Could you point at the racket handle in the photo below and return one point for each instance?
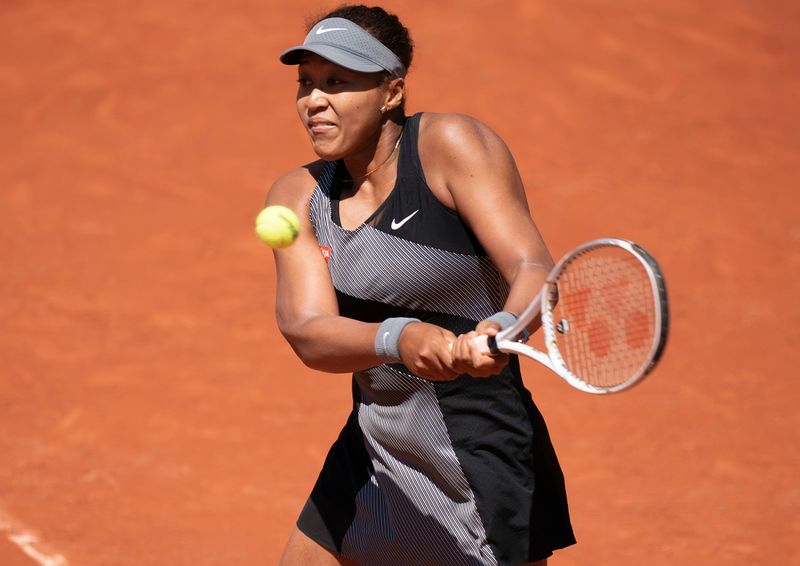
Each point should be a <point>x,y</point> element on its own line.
<point>487,345</point>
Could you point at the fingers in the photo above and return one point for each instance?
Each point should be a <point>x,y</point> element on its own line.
<point>426,350</point>
<point>437,354</point>
<point>470,359</point>
<point>435,360</point>
<point>488,327</point>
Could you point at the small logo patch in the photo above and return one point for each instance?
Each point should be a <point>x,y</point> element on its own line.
<point>326,252</point>
<point>397,225</point>
<point>322,29</point>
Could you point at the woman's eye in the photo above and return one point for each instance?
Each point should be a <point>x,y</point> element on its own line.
<point>331,82</point>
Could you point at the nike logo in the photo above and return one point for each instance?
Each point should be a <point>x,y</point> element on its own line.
<point>396,225</point>
<point>322,30</point>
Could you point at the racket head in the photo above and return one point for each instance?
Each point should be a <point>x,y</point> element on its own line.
<point>605,315</point>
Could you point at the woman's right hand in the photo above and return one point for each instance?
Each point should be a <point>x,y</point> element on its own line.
<point>425,349</point>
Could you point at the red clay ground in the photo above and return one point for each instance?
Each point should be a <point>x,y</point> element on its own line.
<point>151,414</point>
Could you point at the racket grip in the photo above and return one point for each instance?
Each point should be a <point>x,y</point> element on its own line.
<point>487,345</point>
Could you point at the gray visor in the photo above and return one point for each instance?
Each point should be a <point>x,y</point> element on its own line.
<point>344,43</point>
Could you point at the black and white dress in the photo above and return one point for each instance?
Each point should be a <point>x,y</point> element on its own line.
<point>428,473</point>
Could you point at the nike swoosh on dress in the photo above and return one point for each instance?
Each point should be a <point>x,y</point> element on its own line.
<point>396,225</point>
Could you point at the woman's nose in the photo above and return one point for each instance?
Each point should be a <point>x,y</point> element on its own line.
<point>317,99</point>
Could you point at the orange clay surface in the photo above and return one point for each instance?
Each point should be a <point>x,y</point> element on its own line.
<point>150,412</point>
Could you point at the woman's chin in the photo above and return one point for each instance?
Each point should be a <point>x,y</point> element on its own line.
<point>326,153</point>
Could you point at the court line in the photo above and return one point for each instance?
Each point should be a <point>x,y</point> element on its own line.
<point>29,543</point>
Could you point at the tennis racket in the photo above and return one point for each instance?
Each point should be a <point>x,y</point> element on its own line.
<point>604,317</point>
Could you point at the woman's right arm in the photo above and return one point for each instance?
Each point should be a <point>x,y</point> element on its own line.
<point>306,307</point>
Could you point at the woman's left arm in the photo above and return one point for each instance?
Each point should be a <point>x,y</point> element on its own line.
<point>470,169</point>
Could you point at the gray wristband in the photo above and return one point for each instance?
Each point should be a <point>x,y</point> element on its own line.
<point>387,337</point>
<point>503,318</point>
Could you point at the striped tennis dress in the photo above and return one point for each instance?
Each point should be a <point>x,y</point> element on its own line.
<point>428,473</point>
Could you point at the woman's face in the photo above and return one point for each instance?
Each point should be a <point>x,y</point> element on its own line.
<point>340,108</point>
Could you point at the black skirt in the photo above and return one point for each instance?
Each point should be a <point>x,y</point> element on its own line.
<point>440,473</point>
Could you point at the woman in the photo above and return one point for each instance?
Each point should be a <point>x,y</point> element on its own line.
<point>416,237</point>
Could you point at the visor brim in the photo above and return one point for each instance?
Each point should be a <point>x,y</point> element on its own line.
<point>346,59</point>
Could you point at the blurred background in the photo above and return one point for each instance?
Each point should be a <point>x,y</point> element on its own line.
<point>150,413</point>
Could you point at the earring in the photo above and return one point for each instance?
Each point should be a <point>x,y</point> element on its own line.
<point>383,109</point>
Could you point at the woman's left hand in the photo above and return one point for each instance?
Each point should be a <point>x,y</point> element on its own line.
<point>467,358</point>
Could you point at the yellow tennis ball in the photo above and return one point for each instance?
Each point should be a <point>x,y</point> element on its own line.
<point>277,226</point>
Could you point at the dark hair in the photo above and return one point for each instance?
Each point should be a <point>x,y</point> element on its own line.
<point>380,24</point>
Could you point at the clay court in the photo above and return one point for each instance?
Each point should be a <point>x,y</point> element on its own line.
<point>150,412</point>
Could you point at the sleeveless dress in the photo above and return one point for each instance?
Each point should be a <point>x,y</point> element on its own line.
<point>428,473</point>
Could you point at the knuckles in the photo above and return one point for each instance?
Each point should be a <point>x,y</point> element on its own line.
<point>437,355</point>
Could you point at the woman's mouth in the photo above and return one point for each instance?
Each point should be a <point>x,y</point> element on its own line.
<point>319,126</point>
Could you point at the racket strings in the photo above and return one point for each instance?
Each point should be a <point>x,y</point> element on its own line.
<point>604,313</point>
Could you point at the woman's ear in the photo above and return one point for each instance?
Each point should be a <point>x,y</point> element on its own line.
<point>395,93</point>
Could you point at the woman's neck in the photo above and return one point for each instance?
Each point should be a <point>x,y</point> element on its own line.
<point>379,156</point>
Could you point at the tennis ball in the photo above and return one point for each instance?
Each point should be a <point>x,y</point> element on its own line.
<point>277,226</point>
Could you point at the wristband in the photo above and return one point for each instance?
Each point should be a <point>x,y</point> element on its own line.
<point>506,319</point>
<point>388,336</point>
<point>503,318</point>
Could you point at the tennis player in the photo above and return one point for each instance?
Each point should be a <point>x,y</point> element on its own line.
<point>416,236</point>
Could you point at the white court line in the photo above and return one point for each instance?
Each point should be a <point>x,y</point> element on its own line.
<point>29,543</point>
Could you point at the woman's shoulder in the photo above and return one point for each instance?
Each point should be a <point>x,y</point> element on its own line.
<point>446,139</point>
<point>295,186</point>
<point>453,127</point>
<point>455,134</point>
